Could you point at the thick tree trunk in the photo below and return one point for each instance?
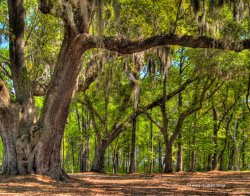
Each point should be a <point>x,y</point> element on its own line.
<point>36,149</point>
<point>10,158</point>
<point>98,165</point>
<point>18,147</point>
<point>23,154</point>
<point>168,160</point>
<point>56,109</point>
<point>17,119</point>
<point>132,167</point>
<point>84,158</point>
<point>47,158</point>
<point>32,146</point>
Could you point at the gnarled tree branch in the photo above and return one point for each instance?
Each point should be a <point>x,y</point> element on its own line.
<point>126,46</point>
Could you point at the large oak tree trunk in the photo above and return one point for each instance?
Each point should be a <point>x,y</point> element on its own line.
<point>35,148</point>
<point>17,118</point>
<point>31,145</point>
<point>56,109</point>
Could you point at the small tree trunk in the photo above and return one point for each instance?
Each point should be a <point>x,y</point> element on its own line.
<point>209,162</point>
<point>215,140</point>
<point>215,155</point>
<point>132,166</point>
<point>204,162</point>
<point>179,154</point>
<point>160,167</point>
<point>151,165</point>
<point>225,143</point>
<point>193,161</point>
<point>243,161</point>
<point>84,158</point>
<point>73,157</point>
<point>221,160</point>
<point>189,155</point>
<point>115,162</point>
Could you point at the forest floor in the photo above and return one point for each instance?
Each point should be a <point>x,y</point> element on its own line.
<point>208,183</point>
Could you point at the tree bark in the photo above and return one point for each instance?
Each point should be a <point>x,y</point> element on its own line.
<point>179,154</point>
<point>30,145</point>
<point>37,150</point>
<point>168,160</point>
<point>160,167</point>
<point>215,141</point>
<point>17,118</point>
<point>151,164</point>
<point>98,165</point>
<point>56,107</point>
<point>225,142</point>
<point>209,159</point>
<point>231,158</point>
<point>193,154</point>
<point>192,169</point>
<point>132,167</point>
<point>84,157</point>
<point>73,157</point>
<point>115,162</point>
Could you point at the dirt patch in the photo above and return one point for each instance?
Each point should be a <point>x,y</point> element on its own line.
<point>209,183</point>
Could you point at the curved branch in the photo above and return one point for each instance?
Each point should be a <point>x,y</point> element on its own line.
<point>126,46</point>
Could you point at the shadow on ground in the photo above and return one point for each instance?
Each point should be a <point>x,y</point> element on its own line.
<point>209,183</point>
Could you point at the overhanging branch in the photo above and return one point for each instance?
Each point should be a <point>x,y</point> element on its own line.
<point>126,46</point>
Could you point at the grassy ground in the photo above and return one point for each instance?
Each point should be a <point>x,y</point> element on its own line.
<point>209,183</point>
